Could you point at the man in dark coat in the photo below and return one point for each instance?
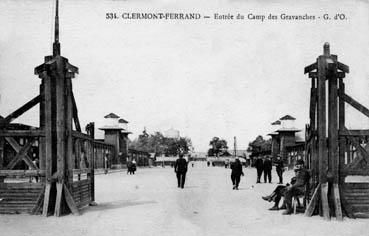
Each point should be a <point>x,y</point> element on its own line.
<point>180,168</point>
<point>236,173</point>
<point>259,168</point>
<point>299,187</point>
<point>267,166</point>
<point>279,166</point>
<point>277,194</point>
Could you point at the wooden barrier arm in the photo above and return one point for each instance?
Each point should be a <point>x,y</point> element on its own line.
<point>22,110</point>
<point>355,104</point>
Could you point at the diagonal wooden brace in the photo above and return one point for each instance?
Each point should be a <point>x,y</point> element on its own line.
<point>21,153</point>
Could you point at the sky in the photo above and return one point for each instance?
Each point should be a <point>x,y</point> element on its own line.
<point>204,78</point>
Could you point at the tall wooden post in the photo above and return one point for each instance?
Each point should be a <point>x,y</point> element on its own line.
<point>1,156</point>
<point>342,141</point>
<point>321,128</point>
<point>56,120</point>
<point>41,143</point>
<point>312,114</point>
<point>333,134</point>
<point>69,128</point>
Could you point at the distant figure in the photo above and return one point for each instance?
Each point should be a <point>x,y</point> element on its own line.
<point>180,168</point>
<point>259,168</point>
<point>133,167</point>
<point>267,166</point>
<point>236,173</point>
<point>129,167</point>
<point>208,163</point>
<point>279,166</point>
<point>192,164</point>
<point>106,161</point>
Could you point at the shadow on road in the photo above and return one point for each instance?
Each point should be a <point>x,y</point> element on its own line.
<point>103,206</point>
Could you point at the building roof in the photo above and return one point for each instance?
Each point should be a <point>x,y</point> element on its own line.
<point>273,133</point>
<point>126,132</point>
<point>288,130</point>
<point>115,127</point>
<point>122,121</point>
<point>287,117</point>
<point>111,115</point>
<point>277,122</point>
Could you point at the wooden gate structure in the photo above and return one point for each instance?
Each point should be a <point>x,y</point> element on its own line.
<point>333,159</point>
<point>66,156</point>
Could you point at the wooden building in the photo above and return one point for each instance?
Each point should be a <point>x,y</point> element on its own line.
<point>116,134</point>
<point>285,141</point>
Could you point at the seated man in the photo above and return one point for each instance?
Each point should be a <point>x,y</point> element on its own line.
<point>298,188</point>
<point>277,194</point>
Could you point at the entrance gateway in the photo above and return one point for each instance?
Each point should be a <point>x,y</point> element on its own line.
<point>66,155</point>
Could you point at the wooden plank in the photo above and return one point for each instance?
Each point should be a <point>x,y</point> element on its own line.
<point>337,202</point>
<point>48,127</point>
<point>39,202</point>
<point>75,114</point>
<point>21,185</point>
<point>21,133</point>
<point>311,67</point>
<point>58,201</point>
<point>333,154</point>
<point>345,205</point>
<point>343,67</point>
<point>324,199</point>
<point>70,202</point>
<point>41,140</point>
<point>80,135</point>
<point>352,186</point>
<point>60,122</point>
<point>21,153</point>
<point>68,125</point>
<point>355,104</point>
<point>2,142</point>
<point>71,68</point>
<point>353,132</point>
<point>313,202</point>
<point>341,75</point>
<point>92,175</point>
<point>45,209</point>
<point>321,124</point>
<point>313,75</point>
<point>22,109</point>
<point>22,173</point>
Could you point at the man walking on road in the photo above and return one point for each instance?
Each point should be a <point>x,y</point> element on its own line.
<point>236,173</point>
<point>180,168</point>
<point>267,169</point>
<point>259,168</point>
<point>279,168</point>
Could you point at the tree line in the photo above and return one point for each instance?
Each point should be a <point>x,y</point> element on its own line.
<point>160,145</point>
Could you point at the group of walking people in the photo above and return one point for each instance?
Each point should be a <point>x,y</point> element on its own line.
<point>265,165</point>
